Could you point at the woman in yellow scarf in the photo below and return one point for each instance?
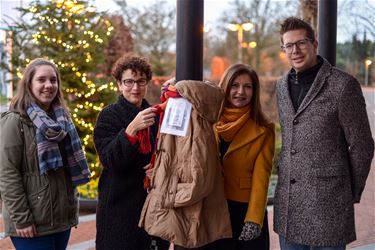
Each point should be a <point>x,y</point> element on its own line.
<point>246,144</point>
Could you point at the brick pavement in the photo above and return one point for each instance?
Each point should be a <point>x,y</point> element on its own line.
<point>82,237</point>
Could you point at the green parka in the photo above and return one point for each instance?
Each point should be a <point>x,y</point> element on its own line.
<point>49,201</point>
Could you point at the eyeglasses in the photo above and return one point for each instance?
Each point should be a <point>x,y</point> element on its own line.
<point>130,82</point>
<point>301,44</point>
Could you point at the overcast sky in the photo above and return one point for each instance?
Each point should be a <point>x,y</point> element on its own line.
<point>212,11</point>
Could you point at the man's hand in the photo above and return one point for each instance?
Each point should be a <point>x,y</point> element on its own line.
<point>27,232</point>
<point>250,231</point>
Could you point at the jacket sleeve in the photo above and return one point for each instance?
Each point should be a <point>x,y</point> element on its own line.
<point>113,147</point>
<point>260,179</point>
<point>11,184</point>
<point>355,124</point>
<point>203,172</point>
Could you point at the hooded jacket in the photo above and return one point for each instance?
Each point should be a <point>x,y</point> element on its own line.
<point>186,204</point>
<point>48,201</point>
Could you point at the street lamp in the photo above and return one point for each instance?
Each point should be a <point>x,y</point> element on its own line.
<point>367,64</point>
<point>240,28</point>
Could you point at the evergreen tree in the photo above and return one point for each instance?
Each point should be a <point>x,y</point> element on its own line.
<point>73,35</point>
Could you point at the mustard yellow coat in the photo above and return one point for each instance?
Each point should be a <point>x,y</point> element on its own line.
<point>247,166</point>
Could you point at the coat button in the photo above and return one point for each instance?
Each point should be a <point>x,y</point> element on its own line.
<point>295,121</point>
<point>170,191</point>
<point>293,151</point>
<point>293,181</point>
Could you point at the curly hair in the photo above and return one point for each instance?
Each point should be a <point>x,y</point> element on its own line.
<point>135,63</point>
<point>295,23</point>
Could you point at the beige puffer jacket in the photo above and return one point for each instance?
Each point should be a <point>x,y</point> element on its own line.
<point>186,205</point>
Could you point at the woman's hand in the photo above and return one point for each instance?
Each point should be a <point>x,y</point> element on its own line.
<point>250,231</point>
<point>149,171</point>
<point>144,119</point>
<point>27,232</point>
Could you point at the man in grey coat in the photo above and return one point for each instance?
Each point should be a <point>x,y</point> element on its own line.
<point>327,147</point>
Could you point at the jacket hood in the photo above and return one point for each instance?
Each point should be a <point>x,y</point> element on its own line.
<point>205,97</point>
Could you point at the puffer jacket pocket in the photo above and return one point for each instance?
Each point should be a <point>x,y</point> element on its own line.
<point>171,192</point>
<point>40,206</point>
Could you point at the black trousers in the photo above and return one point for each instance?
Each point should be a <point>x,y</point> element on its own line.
<point>159,244</point>
<point>237,211</point>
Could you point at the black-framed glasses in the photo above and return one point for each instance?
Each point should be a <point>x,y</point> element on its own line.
<point>301,44</point>
<point>130,82</point>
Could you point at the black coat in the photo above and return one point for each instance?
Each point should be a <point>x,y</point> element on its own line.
<point>121,193</point>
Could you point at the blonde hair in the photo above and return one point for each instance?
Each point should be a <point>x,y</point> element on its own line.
<point>24,97</point>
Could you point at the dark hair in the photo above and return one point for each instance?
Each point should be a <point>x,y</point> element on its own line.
<point>24,97</point>
<point>134,63</point>
<point>295,23</point>
<point>225,83</point>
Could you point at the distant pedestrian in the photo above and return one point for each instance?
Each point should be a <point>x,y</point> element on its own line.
<point>327,147</point>
<point>42,162</point>
<point>246,144</point>
<point>124,137</point>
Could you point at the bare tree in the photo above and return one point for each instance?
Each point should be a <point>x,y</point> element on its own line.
<point>265,15</point>
<point>357,17</point>
<point>153,32</point>
<point>308,10</point>
<point>120,43</point>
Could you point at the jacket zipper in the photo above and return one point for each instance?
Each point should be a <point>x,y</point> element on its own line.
<point>50,202</point>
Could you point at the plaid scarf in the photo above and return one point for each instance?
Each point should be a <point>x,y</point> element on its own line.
<point>48,135</point>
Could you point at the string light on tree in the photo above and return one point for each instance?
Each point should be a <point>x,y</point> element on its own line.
<point>73,35</point>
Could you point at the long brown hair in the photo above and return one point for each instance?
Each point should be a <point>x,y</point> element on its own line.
<point>24,97</point>
<point>225,84</point>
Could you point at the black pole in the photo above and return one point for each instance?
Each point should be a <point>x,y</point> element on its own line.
<point>189,48</point>
<point>327,29</point>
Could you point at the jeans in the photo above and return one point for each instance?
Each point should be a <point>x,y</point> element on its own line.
<point>292,246</point>
<point>56,241</point>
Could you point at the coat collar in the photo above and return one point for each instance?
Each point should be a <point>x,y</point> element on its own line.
<point>285,101</point>
<point>248,133</point>
<point>316,86</point>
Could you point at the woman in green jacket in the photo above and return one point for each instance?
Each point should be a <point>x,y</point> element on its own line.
<point>42,162</point>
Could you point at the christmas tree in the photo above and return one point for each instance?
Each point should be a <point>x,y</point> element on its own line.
<point>74,35</point>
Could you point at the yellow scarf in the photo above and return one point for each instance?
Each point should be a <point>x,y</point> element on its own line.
<point>231,121</point>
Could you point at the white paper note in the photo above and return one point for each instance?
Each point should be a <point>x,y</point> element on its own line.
<point>176,117</point>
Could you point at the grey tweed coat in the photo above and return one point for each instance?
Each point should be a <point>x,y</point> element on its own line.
<point>324,162</point>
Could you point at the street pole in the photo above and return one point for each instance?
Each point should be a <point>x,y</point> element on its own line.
<point>10,95</point>
<point>189,47</point>
<point>240,40</point>
<point>240,27</point>
<point>327,29</point>
<point>367,64</point>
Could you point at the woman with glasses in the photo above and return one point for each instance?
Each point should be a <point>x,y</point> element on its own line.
<point>124,136</point>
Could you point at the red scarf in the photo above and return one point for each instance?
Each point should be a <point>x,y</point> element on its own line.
<point>144,135</point>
